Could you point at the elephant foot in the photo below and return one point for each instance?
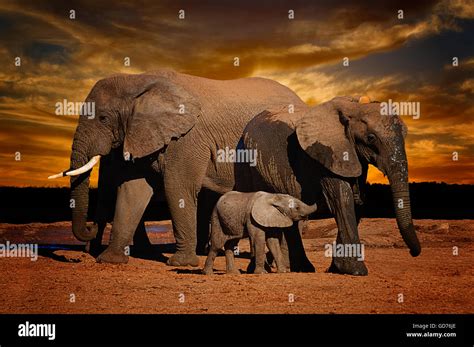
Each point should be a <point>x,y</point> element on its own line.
<point>283,270</point>
<point>251,266</point>
<point>183,259</point>
<point>260,270</point>
<point>93,247</point>
<point>113,257</point>
<point>208,271</point>
<point>233,272</point>
<point>302,265</point>
<point>348,266</point>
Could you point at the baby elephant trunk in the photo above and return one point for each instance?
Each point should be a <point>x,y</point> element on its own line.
<point>306,210</point>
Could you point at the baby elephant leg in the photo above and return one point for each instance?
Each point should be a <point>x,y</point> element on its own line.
<point>218,240</point>
<point>273,243</point>
<point>258,239</point>
<point>229,256</point>
<point>210,260</point>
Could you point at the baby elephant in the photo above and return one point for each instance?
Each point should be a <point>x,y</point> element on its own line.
<point>256,214</point>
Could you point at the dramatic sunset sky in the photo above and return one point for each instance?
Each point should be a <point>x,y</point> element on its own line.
<point>403,60</point>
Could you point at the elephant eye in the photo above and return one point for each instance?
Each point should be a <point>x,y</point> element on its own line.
<point>103,119</point>
<point>371,138</point>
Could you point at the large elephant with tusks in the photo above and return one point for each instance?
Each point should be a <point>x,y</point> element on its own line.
<point>171,125</point>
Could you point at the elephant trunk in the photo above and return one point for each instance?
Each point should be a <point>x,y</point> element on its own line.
<point>308,209</point>
<point>80,196</point>
<point>398,178</point>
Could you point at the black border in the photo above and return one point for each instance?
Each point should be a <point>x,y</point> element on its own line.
<point>234,329</point>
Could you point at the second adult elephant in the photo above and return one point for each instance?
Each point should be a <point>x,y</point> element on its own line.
<point>320,155</point>
<point>173,124</point>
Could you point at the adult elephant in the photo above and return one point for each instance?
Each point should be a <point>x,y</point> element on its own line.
<point>169,124</point>
<point>321,154</point>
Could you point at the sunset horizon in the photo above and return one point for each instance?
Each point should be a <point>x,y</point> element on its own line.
<point>351,50</point>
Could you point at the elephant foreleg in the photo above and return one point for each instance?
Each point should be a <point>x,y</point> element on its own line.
<point>132,199</point>
<point>340,199</point>
<point>273,244</point>
<point>284,261</point>
<point>106,199</point>
<point>359,188</point>
<point>94,246</point>
<point>259,242</point>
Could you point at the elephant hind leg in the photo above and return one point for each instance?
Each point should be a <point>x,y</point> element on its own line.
<point>217,241</point>
<point>208,266</point>
<point>182,182</point>
<point>183,208</point>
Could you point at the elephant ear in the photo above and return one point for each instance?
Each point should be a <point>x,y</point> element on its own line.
<point>162,112</point>
<point>266,213</point>
<point>323,136</point>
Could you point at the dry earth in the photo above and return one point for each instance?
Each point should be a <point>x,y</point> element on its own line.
<point>435,282</point>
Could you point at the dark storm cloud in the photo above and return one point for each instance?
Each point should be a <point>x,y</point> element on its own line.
<point>39,51</point>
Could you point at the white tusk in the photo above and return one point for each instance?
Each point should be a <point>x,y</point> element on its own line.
<point>59,175</point>
<point>76,172</point>
<point>84,168</point>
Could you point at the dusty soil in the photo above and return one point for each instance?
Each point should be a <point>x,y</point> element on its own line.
<point>435,282</point>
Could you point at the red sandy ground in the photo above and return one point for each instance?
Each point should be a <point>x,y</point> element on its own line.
<point>435,282</point>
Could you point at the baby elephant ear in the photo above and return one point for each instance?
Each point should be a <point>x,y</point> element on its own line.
<point>162,112</point>
<point>265,212</point>
<point>322,135</point>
